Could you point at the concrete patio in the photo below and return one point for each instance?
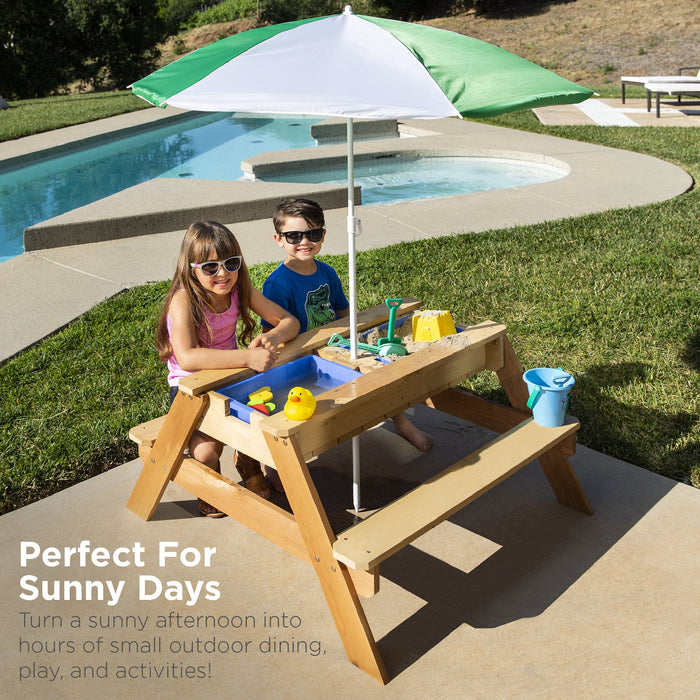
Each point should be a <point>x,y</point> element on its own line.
<point>513,597</point>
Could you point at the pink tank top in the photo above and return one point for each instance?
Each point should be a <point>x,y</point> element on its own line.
<point>223,335</point>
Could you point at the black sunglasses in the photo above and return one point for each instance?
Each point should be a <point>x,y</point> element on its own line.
<point>313,235</point>
<point>210,268</point>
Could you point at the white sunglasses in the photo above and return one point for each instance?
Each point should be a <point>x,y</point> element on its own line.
<point>211,268</point>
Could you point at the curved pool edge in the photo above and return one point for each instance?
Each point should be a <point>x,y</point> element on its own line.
<point>47,144</point>
<point>599,178</point>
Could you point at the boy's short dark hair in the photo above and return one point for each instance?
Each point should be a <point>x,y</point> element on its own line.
<point>306,209</point>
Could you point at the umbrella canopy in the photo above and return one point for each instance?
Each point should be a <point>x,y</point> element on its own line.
<point>356,66</point>
<point>351,66</point>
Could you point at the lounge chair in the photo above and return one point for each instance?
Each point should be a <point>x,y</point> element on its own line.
<point>644,79</point>
<point>669,88</point>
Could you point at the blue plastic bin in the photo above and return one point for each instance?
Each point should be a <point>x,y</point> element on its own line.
<point>311,372</point>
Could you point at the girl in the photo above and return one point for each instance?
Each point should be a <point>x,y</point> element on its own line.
<point>210,294</point>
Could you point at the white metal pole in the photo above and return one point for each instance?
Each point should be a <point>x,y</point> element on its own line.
<point>351,226</point>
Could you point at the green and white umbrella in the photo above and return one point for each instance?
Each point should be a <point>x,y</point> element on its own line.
<point>351,65</point>
<point>355,66</point>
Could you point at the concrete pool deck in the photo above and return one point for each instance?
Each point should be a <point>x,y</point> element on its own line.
<point>132,237</point>
<point>513,597</point>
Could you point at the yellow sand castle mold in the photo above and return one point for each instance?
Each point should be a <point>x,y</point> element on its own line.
<point>432,325</point>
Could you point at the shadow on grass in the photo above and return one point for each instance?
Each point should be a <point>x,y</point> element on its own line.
<point>618,428</point>
<point>691,352</point>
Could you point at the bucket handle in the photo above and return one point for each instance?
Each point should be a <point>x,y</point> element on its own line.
<point>532,400</point>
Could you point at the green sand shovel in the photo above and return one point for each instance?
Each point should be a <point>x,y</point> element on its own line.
<point>337,341</point>
<point>391,345</point>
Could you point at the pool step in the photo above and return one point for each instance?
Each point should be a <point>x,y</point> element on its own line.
<point>169,204</point>
<point>335,130</point>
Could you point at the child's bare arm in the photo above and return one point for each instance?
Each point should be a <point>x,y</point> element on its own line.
<point>284,325</point>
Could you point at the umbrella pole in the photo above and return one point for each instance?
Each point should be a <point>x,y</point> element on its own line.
<point>351,228</point>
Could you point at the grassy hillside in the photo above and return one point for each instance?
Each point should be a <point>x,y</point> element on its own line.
<point>587,41</point>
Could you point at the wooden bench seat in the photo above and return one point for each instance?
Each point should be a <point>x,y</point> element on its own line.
<point>365,545</point>
<point>145,435</point>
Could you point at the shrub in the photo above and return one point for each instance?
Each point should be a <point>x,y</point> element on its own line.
<point>227,11</point>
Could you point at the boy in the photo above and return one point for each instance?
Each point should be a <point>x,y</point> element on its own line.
<point>310,289</point>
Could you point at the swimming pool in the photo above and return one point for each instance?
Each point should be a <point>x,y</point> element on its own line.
<point>207,146</point>
<point>211,147</point>
<point>399,178</point>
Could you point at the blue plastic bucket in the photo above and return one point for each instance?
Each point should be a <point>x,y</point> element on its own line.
<point>549,395</point>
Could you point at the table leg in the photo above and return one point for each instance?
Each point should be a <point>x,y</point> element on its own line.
<point>511,377</point>
<point>555,465</point>
<point>165,458</point>
<point>564,482</point>
<point>338,588</point>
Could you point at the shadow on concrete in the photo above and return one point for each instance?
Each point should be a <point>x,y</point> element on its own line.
<point>505,557</point>
<point>541,547</point>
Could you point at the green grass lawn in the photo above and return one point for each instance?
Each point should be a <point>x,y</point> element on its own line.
<point>613,298</point>
<point>27,117</point>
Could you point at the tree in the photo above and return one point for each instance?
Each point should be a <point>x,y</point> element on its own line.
<point>118,38</point>
<point>176,12</point>
<point>38,48</point>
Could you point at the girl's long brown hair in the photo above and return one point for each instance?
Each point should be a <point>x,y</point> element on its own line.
<point>205,240</point>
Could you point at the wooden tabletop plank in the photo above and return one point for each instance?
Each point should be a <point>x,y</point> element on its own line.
<point>354,406</point>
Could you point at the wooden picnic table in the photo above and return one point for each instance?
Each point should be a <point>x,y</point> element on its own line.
<point>347,563</point>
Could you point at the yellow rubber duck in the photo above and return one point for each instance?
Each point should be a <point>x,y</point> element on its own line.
<point>300,404</point>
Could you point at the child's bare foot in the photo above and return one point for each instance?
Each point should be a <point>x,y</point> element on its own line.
<point>274,478</point>
<point>408,431</point>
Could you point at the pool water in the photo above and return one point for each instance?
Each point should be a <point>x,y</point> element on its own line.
<point>208,146</point>
<point>398,179</point>
<point>211,147</point>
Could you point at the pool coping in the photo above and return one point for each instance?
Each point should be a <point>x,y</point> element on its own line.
<point>599,178</point>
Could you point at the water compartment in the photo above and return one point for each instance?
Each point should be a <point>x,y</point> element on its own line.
<point>311,372</point>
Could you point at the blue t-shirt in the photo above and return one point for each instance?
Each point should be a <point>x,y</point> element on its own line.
<point>313,299</point>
